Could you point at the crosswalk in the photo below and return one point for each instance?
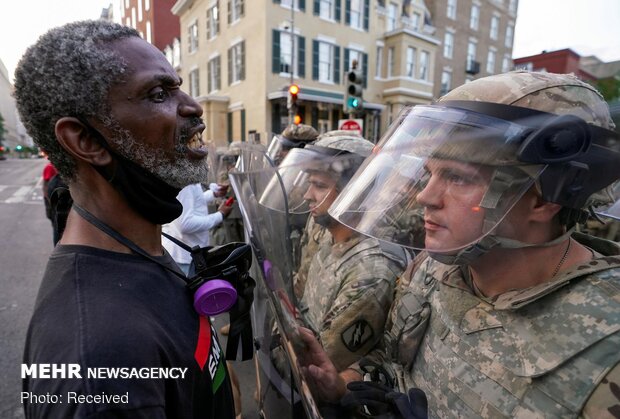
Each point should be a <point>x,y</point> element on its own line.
<point>21,194</point>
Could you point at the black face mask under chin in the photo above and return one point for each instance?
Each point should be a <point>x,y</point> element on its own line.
<point>325,220</point>
<point>147,194</point>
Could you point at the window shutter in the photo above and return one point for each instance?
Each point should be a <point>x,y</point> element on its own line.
<point>210,71</point>
<point>242,124</point>
<point>208,23</point>
<point>316,9</point>
<point>229,127</point>
<point>315,59</point>
<point>301,50</point>
<point>366,13</point>
<point>242,73</point>
<point>218,77</point>
<point>217,20</point>
<point>365,69</point>
<point>302,5</point>
<point>230,66</point>
<point>242,8</point>
<point>346,65</point>
<point>314,117</point>
<point>336,64</point>
<point>338,4</point>
<point>276,1</point>
<point>275,117</point>
<point>347,12</point>
<point>229,11</point>
<point>275,51</point>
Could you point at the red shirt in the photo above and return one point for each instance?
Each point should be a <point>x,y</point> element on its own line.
<point>49,171</point>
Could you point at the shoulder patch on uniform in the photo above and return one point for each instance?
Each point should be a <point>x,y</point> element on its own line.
<point>356,335</point>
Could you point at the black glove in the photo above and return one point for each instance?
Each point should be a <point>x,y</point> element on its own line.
<point>383,402</point>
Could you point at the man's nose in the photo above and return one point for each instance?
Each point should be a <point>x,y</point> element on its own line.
<point>431,194</point>
<point>189,107</point>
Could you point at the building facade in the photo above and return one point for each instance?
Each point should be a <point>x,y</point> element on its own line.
<point>153,19</point>
<point>477,38</point>
<point>561,61</point>
<point>239,57</point>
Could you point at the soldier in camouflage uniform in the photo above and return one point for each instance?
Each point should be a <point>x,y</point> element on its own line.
<point>509,313</point>
<point>350,279</point>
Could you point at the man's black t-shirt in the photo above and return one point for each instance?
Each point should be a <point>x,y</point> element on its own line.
<point>115,313</point>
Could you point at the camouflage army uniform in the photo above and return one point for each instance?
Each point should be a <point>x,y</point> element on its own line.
<point>552,350</point>
<point>314,237</point>
<point>347,297</point>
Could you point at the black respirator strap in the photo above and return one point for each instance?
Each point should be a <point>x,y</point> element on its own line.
<point>122,239</point>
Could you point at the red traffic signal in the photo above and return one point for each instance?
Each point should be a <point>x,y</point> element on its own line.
<point>297,119</point>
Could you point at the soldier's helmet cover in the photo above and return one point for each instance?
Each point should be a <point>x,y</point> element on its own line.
<point>293,136</point>
<point>474,153</point>
<point>339,153</point>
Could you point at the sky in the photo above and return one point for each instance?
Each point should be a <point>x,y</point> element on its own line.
<point>589,27</point>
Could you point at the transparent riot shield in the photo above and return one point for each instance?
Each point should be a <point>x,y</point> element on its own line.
<point>282,390</point>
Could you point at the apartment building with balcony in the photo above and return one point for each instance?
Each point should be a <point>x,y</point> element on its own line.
<point>238,58</point>
<point>477,38</point>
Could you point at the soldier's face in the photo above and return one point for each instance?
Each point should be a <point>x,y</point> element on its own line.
<point>321,192</point>
<point>451,197</point>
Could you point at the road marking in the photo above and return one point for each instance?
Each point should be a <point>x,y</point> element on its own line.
<point>19,195</point>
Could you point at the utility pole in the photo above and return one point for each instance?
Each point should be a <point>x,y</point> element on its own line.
<point>292,108</point>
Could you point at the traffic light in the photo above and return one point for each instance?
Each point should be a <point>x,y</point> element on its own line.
<point>297,119</point>
<point>18,148</point>
<point>293,93</point>
<point>353,95</point>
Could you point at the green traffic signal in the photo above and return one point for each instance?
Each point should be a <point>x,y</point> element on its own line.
<point>18,148</point>
<point>354,102</point>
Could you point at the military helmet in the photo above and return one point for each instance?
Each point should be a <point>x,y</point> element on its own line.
<point>293,136</point>
<point>519,129</point>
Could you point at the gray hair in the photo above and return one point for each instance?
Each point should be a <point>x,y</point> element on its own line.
<point>68,72</point>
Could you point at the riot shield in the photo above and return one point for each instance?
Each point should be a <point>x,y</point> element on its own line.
<point>281,386</point>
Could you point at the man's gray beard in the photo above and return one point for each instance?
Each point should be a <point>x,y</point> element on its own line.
<point>173,168</point>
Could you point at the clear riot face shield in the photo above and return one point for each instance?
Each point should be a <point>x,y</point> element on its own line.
<point>275,312</point>
<point>440,180</point>
<point>446,176</point>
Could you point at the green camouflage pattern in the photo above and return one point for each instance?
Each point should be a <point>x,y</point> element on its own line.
<point>314,237</point>
<point>560,94</point>
<point>538,352</point>
<point>347,297</point>
<point>300,132</point>
<point>345,141</point>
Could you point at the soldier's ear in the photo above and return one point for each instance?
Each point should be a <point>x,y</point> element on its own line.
<point>543,211</point>
<point>75,137</point>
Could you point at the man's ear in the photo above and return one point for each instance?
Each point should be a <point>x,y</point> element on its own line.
<point>75,137</point>
<point>543,211</point>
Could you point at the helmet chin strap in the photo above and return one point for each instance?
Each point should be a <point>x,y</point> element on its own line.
<point>472,252</point>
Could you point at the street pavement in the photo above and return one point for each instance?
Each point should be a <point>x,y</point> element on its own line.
<point>25,245</point>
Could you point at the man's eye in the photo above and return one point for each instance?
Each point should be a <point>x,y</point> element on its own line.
<point>158,95</point>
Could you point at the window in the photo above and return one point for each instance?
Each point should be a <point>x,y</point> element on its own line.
<point>509,34</point>
<point>392,16</point>
<point>289,3</point>
<point>474,18</point>
<point>147,5</point>
<point>235,10</point>
<point>193,37</point>
<point>451,9</point>
<point>506,63</point>
<point>213,21</point>
<point>357,14</point>
<point>491,62</point>
<point>410,70</point>
<point>326,62</point>
<point>424,62</point>
<point>446,82</point>
<point>176,53</point>
<point>494,27</point>
<point>448,45</point>
<point>512,6</point>
<point>416,18</point>
<point>471,52</point>
<point>390,62</point>
<point>355,56</point>
<point>214,74</point>
<point>326,9</point>
<point>140,16</point>
<point>149,32</point>
<point>168,54</point>
<point>194,85</point>
<point>236,63</point>
<point>285,53</point>
<point>378,69</point>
